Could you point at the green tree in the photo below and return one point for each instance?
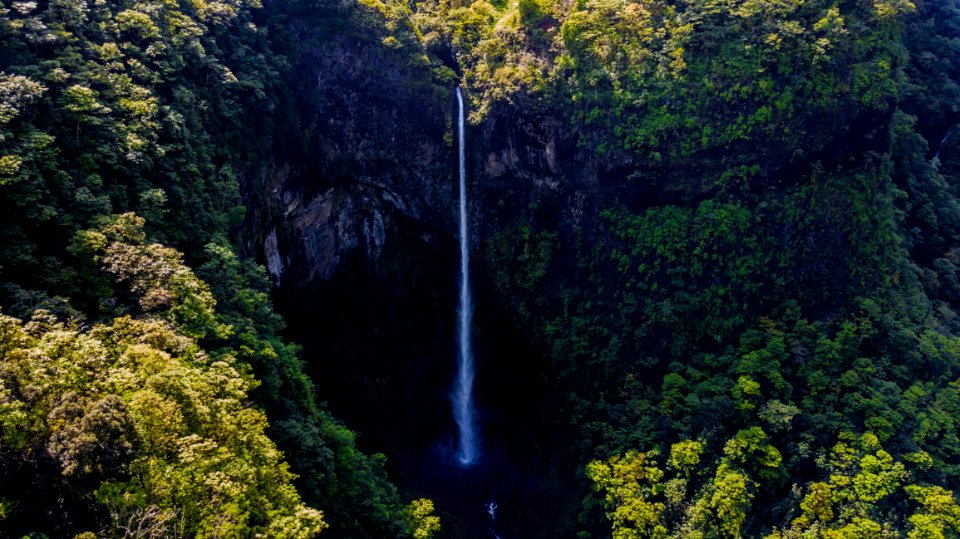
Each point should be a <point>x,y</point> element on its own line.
<point>630,485</point>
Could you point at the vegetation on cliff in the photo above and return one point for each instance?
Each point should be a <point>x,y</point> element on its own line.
<point>782,301</point>
<point>136,392</point>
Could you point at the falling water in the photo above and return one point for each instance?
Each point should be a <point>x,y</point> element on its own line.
<point>463,411</point>
<point>946,137</point>
<point>492,511</point>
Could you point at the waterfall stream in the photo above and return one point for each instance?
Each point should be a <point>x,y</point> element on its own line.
<point>463,410</point>
<point>943,141</point>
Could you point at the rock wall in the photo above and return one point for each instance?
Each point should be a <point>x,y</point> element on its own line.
<point>370,139</point>
<point>367,144</point>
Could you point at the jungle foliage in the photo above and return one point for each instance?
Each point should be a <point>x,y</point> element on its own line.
<point>137,391</point>
<point>771,350</point>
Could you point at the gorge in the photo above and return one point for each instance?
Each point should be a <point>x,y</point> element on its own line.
<point>374,268</point>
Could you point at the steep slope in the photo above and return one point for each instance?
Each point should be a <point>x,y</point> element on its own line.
<point>164,109</point>
<point>721,221</point>
<point>718,254</point>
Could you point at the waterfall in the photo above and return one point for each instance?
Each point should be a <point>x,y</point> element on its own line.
<point>946,137</point>
<point>463,410</point>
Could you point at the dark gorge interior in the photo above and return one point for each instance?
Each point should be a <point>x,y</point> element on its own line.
<point>394,389</point>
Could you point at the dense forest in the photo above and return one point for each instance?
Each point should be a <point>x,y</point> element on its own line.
<point>715,243</point>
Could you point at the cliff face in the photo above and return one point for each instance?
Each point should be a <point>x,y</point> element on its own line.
<point>372,145</point>
<point>526,162</point>
<point>368,146</point>
<point>373,141</point>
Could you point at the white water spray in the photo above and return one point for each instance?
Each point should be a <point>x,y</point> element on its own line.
<point>943,141</point>
<point>492,511</point>
<point>463,410</point>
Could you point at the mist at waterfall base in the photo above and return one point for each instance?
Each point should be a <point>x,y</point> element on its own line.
<point>380,342</point>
